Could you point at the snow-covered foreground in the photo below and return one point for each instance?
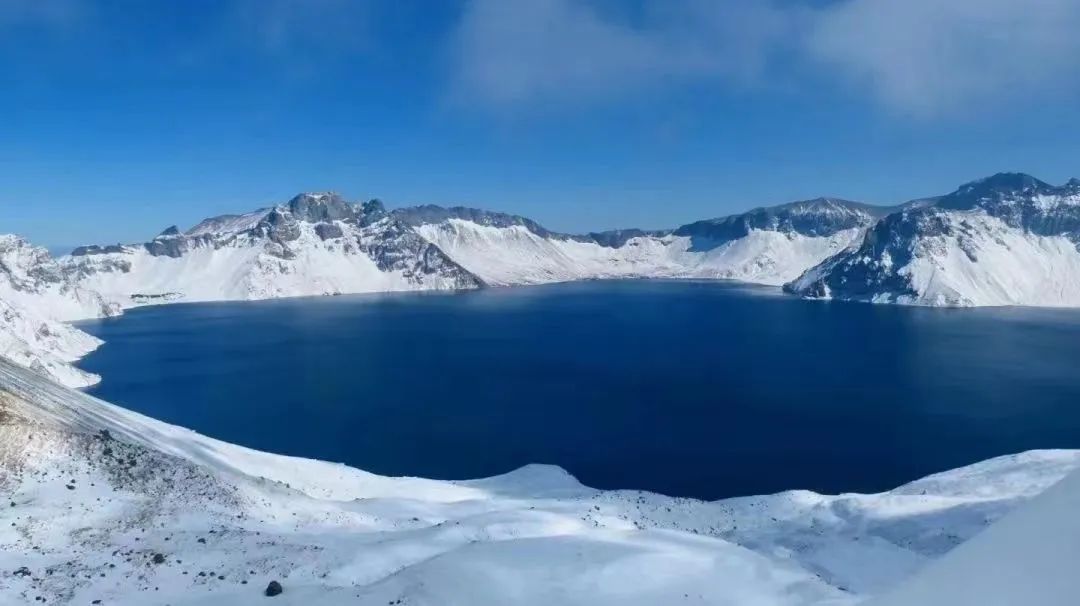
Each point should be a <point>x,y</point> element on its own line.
<point>105,504</point>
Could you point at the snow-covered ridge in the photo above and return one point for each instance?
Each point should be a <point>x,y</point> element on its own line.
<point>1005,240</point>
<point>765,246</point>
<point>1009,239</point>
<point>106,504</point>
<point>320,244</point>
<point>36,301</point>
<point>316,244</point>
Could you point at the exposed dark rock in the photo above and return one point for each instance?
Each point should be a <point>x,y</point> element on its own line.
<point>816,218</point>
<point>874,268</point>
<point>167,246</point>
<point>372,211</point>
<point>317,208</point>
<point>279,227</point>
<point>94,249</point>
<point>273,589</point>
<point>618,238</point>
<point>328,231</point>
<point>395,246</point>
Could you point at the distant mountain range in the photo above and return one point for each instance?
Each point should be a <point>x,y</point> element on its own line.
<point>1009,239</point>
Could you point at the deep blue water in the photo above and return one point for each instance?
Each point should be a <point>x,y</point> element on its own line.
<point>691,389</point>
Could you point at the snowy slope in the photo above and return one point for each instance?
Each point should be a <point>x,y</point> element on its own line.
<point>243,269</point>
<point>316,244</point>
<point>515,255</point>
<point>765,246</point>
<point>30,277</point>
<point>1029,557</point>
<point>36,298</point>
<point>1006,240</point>
<point>97,493</point>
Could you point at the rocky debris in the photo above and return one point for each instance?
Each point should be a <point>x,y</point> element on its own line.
<point>273,589</point>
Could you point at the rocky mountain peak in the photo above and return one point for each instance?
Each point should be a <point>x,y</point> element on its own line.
<point>320,207</point>
<point>1003,183</point>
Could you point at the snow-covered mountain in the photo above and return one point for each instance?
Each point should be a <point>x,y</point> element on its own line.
<point>766,245</point>
<point>36,301</point>
<point>319,244</point>
<point>1009,239</point>
<point>1005,240</point>
<point>316,244</point>
<point>101,503</point>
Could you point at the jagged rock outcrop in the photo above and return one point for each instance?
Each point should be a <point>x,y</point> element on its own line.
<point>1009,239</point>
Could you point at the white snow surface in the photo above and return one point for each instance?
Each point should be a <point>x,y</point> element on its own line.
<point>228,224</point>
<point>985,262</point>
<point>36,300</point>
<point>516,255</point>
<point>1029,557</point>
<point>244,267</point>
<point>93,492</point>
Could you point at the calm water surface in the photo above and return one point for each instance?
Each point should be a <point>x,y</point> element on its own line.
<point>692,389</point>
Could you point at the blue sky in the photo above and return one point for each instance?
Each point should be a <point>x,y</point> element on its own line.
<point>123,117</point>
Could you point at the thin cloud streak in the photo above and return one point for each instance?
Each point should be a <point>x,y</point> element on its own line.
<point>923,58</point>
<point>542,51</point>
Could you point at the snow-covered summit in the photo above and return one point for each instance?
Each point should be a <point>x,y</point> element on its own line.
<point>1009,239</point>
<point>105,504</point>
<point>315,244</point>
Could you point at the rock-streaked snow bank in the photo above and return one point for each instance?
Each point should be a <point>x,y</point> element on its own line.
<point>36,299</point>
<point>109,505</point>
<point>316,244</point>
<point>515,255</point>
<point>1009,239</point>
<point>763,246</point>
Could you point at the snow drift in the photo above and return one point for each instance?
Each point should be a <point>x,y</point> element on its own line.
<point>109,505</point>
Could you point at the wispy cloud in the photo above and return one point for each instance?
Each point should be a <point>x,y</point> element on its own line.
<point>928,57</point>
<point>920,57</point>
<point>539,51</point>
<point>301,26</point>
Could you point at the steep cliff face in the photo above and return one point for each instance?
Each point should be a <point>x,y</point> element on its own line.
<point>766,246</point>
<point>37,298</point>
<point>316,244</point>
<point>1009,239</point>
